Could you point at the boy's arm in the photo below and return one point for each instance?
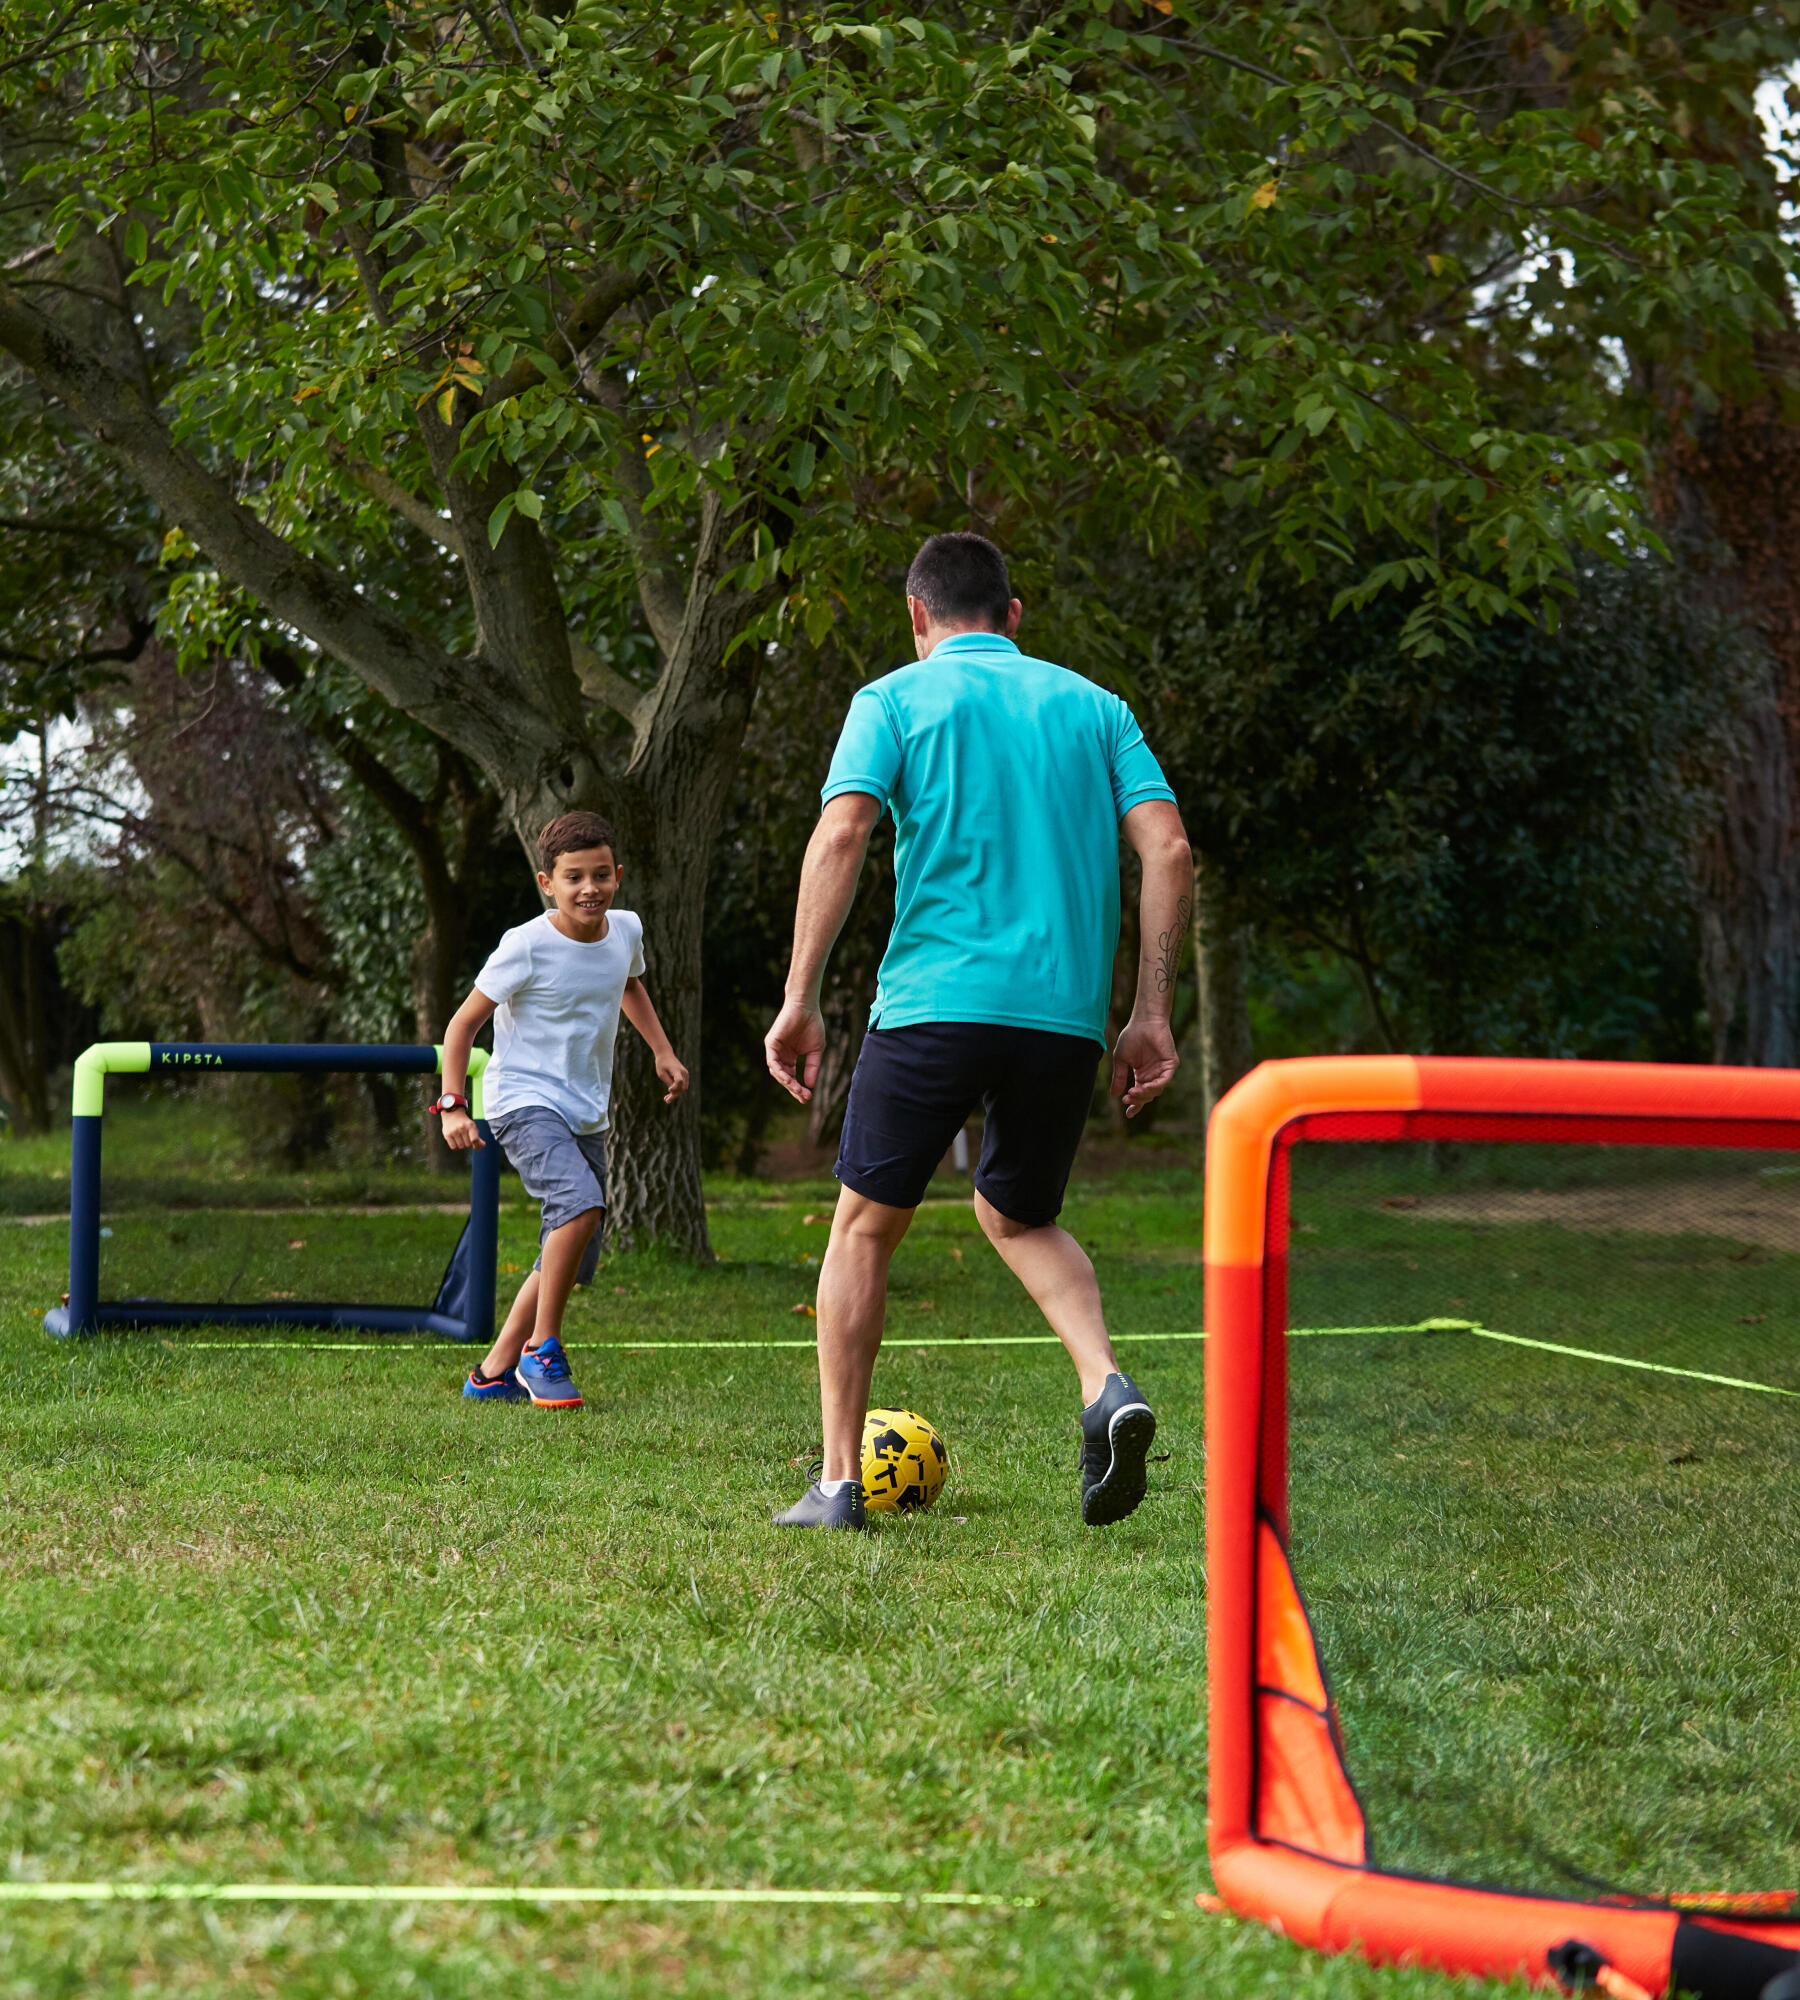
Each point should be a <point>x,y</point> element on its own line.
<point>460,1133</point>
<point>1144,1058</point>
<point>671,1071</point>
<point>828,875</point>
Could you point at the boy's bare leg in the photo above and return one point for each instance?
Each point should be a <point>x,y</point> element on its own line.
<point>561,1259</point>
<point>1056,1271</point>
<point>510,1342</point>
<point>852,1305</point>
<point>537,1311</point>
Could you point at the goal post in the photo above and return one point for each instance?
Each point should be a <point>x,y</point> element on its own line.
<point>464,1306</point>
<point>1289,1840</point>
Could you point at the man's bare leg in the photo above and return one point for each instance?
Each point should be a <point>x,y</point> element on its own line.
<point>1056,1271</point>
<point>852,1305</point>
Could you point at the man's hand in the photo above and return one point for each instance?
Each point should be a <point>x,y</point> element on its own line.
<point>1144,1062</point>
<point>672,1074</point>
<point>461,1134</point>
<point>793,1047</point>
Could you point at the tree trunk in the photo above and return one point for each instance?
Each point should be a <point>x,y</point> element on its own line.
<point>1749,883</point>
<point>654,1192</point>
<point>1732,475</point>
<point>1221,947</point>
<point>27,980</point>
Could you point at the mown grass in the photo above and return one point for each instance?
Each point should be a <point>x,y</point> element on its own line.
<point>285,1614</point>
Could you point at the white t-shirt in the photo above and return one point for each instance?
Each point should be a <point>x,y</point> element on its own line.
<point>556,1017</point>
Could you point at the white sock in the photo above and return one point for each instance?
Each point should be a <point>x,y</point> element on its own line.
<point>831,1488</point>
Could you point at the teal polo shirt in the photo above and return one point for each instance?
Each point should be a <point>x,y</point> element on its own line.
<point>1007,778</point>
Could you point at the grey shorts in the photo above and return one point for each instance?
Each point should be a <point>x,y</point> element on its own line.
<point>564,1170</point>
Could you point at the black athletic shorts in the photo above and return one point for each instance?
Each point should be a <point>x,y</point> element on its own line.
<point>914,1089</point>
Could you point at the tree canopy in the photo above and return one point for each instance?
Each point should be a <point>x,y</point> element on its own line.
<point>546,366</point>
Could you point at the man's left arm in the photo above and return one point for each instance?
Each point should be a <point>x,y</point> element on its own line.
<point>1144,1058</point>
<point>828,878</point>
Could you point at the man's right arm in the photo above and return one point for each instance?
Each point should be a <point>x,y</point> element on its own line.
<point>828,878</point>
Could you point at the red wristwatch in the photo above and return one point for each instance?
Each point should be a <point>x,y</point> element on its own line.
<point>448,1102</point>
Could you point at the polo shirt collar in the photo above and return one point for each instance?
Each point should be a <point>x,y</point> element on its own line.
<point>970,642</point>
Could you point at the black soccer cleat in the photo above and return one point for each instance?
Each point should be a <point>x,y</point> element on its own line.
<point>1116,1430</point>
<point>816,1509</point>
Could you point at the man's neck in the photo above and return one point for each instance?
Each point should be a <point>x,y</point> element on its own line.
<point>930,641</point>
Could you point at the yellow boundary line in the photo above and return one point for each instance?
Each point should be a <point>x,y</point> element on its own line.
<point>993,1340</point>
<point>435,1892</point>
<point>1625,1361</point>
<point>659,1346</point>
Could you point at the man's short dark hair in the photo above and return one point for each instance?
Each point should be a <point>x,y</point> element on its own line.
<point>573,833</point>
<point>961,579</point>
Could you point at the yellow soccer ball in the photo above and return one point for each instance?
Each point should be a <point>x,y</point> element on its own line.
<point>903,1462</point>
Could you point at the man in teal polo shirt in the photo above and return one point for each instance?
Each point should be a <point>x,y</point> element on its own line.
<point>1009,780</point>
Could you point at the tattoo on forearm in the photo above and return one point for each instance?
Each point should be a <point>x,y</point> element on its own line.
<point>1168,945</point>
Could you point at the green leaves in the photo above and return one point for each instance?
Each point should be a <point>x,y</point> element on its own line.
<point>1151,270</point>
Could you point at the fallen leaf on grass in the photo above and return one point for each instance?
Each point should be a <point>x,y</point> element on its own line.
<point>296,1242</point>
<point>1751,1319</point>
<point>812,1312</point>
<point>806,1221</point>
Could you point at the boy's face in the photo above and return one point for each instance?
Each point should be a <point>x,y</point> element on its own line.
<point>583,883</point>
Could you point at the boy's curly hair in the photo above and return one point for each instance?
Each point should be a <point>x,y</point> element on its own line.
<point>573,833</point>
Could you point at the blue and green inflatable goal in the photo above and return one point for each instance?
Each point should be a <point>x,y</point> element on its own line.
<point>463,1308</point>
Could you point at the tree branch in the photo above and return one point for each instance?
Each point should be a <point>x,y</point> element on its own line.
<point>476,711</point>
<point>607,295</point>
<point>662,588</point>
<point>600,683</point>
<point>407,504</point>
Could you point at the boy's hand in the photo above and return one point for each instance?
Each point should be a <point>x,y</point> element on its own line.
<point>793,1047</point>
<point>671,1072</point>
<point>461,1134</point>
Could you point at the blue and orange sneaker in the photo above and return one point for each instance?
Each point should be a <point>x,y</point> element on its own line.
<point>544,1376</point>
<point>505,1388</point>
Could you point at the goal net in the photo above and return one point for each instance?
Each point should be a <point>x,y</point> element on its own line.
<point>282,1184</point>
<point>1504,1534</point>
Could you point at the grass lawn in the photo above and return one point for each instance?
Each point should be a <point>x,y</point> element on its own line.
<point>294,1615</point>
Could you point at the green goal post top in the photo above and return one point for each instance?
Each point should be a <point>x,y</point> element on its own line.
<point>99,1060</point>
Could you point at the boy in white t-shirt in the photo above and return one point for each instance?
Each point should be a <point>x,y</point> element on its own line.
<point>555,988</point>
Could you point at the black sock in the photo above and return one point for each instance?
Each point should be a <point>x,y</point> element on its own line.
<point>479,1378</point>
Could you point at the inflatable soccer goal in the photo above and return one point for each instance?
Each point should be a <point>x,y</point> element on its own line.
<point>1503,1518</point>
<point>272,1184</point>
